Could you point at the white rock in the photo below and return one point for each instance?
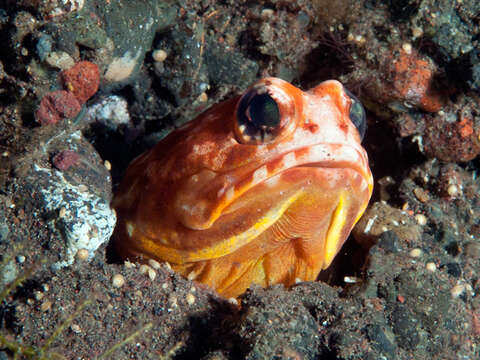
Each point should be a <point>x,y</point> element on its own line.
<point>88,220</point>
<point>110,112</point>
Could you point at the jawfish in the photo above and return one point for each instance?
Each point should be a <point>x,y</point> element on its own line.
<point>262,188</point>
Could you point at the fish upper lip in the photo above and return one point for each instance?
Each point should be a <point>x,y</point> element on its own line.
<point>329,155</point>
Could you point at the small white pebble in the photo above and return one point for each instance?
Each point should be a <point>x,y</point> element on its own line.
<point>82,188</point>
<point>298,280</point>
<point>128,264</point>
<point>46,306</point>
<point>20,259</point>
<point>118,280</point>
<point>75,328</point>
<point>38,295</point>
<point>203,97</point>
<point>143,268</point>
<point>172,301</point>
<point>151,273</point>
<point>407,47</point>
<point>233,301</point>
<point>431,267</point>
<point>62,212</point>
<point>421,219</point>
<point>457,290</point>
<point>168,266</point>
<point>159,55</point>
<point>351,279</point>
<point>369,224</point>
<point>10,203</point>
<point>154,264</point>
<point>45,287</point>
<point>360,39</point>
<point>266,13</point>
<point>82,254</point>
<point>190,299</point>
<point>452,190</point>
<point>192,275</point>
<point>415,253</point>
<point>60,60</point>
<point>164,286</point>
<point>108,165</point>
<point>417,31</point>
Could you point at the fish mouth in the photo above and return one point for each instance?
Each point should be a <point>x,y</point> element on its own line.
<point>314,156</point>
<point>322,156</point>
<point>208,194</point>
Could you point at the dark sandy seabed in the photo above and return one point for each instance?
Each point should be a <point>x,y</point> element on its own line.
<point>413,269</point>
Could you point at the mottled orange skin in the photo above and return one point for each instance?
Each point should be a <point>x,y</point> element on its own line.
<point>231,214</point>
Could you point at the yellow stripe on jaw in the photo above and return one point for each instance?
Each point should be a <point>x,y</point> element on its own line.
<point>339,218</point>
<point>226,246</point>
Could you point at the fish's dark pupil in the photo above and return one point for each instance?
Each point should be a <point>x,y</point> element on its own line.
<point>263,111</point>
<point>258,117</point>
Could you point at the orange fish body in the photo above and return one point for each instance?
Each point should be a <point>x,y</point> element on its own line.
<point>263,188</point>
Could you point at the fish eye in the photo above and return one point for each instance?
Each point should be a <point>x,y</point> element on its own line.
<point>357,114</point>
<point>258,117</point>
